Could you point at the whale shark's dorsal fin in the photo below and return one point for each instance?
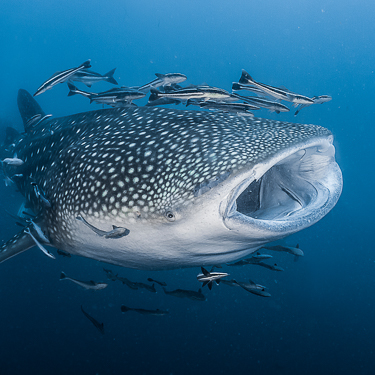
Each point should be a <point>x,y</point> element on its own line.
<point>19,243</point>
<point>28,108</point>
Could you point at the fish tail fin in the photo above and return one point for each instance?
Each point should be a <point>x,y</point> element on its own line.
<point>86,64</point>
<point>155,94</point>
<point>124,308</point>
<point>246,77</point>
<point>236,86</point>
<point>62,275</point>
<point>110,78</point>
<point>18,244</point>
<point>72,89</point>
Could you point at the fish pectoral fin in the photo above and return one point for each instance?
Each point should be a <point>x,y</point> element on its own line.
<point>16,245</point>
<point>210,285</point>
<point>205,283</point>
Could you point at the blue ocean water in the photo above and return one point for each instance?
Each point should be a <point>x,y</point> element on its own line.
<point>320,316</point>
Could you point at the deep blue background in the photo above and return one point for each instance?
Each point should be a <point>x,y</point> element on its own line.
<point>320,318</point>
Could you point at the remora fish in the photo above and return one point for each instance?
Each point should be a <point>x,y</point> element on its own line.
<point>143,311</point>
<point>278,93</point>
<point>84,284</point>
<point>148,170</point>
<point>98,326</point>
<point>182,293</point>
<point>88,77</point>
<point>251,287</point>
<point>114,96</point>
<point>240,108</point>
<point>317,100</point>
<point>13,161</point>
<point>162,283</point>
<point>168,79</point>
<point>207,278</point>
<point>287,249</point>
<point>264,103</point>
<point>61,77</point>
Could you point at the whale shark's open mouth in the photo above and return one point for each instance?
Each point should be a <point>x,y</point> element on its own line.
<point>287,193</point>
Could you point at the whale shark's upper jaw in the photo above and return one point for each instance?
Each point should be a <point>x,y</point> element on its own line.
<point>289,192</point>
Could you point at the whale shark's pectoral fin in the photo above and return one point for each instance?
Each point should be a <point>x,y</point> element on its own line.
<point>16,245</point>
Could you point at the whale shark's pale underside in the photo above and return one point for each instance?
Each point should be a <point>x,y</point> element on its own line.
<point>191,187</point>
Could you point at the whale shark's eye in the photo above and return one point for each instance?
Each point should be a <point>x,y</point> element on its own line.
<point>170,216</point>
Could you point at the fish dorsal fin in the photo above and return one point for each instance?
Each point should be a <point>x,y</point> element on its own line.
<point>28,107</point>
<point>205,272</point>
<point>16,245</point>
<point>159,75</point>
<point>297,246</point>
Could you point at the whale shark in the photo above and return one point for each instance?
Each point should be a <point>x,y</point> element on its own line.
<point>191,188</point>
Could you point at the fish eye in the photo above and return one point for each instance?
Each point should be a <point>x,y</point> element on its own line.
<point>170,216</point>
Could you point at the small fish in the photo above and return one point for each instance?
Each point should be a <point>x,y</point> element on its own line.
<point>242,262</point>
<point>207,278</point>
<point>98,326</point>
<point>162,283</point>
<point>110,274</point>
<point>92,285</point>
<point>278,93</point>
<point>61,77</point>
<point>182,293</point>
<point>40,194</point>
<point>13,161</point>
<point>287,249</point>
<point>163,80</point>
<point>163,101</point>
<point>39,231</point>
<point>227,107</point>
<point>259,256</point>
<point>115,96</point>
<point>230,282</point>
<point>116,232</point>
<point>150,288</point>
<point>37,243</point>
<point>263,103</point>
<point>63,253</point>
<point>88,77</point>
<point>271,267</point>
<point>127,282</point>
<point>257,289</point>
<point>317,100</point>
<point>238,86</point>
<point>144,311</point>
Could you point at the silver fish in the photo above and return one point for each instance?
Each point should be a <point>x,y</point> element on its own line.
<point>156,312</point>
<point>190,294</point>
<point>110,97</point>
<point>13,161</point>
<point>317,100</point>
<point>163,80</point>
<point>61,77</point>
<point>263,103</point>
<point>116,232</point>
<point>287,249</point>
<point>278,93</point>
<point>90,285</point>
<point>192,187</point>
<point>88,77</point>
<point>98,326</point>
<point>254,288</point>
<point>38,244</point>
<point>207,278</point>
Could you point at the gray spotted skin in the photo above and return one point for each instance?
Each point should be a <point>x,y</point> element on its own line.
<point>133,166</point>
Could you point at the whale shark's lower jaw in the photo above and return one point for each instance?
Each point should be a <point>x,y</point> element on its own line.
<point>288,193</point>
